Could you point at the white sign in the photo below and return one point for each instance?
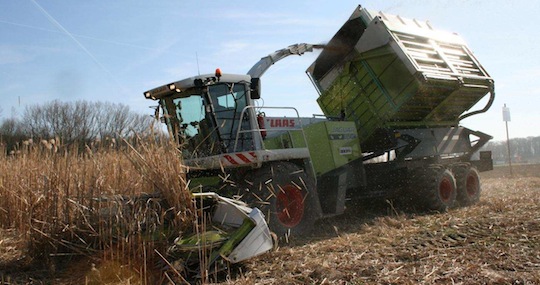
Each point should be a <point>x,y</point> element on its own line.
<point>506,113</point>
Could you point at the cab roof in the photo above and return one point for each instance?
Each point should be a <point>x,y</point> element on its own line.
<point>194,81</point>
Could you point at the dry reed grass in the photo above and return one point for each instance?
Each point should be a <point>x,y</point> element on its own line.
<point>113,208</point>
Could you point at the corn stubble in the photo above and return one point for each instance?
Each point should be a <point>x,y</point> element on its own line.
<point>111,208</point>
<point>496,241</point>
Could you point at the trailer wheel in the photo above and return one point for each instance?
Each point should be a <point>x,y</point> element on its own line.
<point>468,184</point>
<point>282,191</point>
<point>435,188</point>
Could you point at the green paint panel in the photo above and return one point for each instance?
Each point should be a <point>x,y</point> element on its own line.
<point>289,139</point>
<point>394,95</point>
<point>332,144</point>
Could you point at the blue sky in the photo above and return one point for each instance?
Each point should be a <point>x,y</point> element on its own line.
<point>115,50</point>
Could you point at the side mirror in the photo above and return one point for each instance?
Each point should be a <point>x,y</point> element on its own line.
<point>255,88</point>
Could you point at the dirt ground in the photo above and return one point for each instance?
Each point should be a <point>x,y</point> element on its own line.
<point>496,241</point>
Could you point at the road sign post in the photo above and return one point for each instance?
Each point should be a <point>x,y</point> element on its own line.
<point>506,119</point>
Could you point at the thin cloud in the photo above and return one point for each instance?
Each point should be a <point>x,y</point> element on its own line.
<point>272,19</point>
<point>9,88</point>
<point>257,18</point>
<point>19,54</point>
<point>13,55</point>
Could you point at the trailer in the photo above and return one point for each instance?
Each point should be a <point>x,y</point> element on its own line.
<point>393,92</point>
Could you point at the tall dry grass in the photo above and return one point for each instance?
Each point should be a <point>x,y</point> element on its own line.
<point>121,204</point>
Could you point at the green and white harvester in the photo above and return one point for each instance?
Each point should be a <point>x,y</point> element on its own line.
<point>393,92</point>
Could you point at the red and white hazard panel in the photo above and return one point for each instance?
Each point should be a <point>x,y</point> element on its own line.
<point>239,158</point>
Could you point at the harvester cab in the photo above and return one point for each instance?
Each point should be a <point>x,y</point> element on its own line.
<point>220,129</point>
<point>213,115</point>
<point>203,113</point>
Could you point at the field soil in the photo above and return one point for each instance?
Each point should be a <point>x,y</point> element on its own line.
<point>496,241</point>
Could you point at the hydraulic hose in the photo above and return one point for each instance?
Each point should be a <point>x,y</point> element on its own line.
<point>488,105</point>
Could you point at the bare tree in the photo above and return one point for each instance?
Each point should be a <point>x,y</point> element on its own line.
<point>11,133</point>
<point>83,121</point>
<point>523,150</point>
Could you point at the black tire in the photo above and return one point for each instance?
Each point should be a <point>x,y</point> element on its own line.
<point>283,192</point>
<point>468,184</point>
<point>435,188</point>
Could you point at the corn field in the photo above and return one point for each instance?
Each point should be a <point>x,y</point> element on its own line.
<point>118,206</point>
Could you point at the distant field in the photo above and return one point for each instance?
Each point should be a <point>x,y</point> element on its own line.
<point>519,170</point>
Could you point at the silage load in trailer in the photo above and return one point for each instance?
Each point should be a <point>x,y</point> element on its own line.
<point>385,71</point>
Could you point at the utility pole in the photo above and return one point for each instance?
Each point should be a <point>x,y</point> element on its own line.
<point>506,119</point>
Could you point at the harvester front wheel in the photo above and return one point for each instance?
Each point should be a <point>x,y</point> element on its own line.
<point>468,184</point>
<point>436,188</point>
<point>282,191</point>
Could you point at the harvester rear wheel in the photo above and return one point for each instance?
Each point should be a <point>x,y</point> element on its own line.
<point>468,184</point>
<point>282,191</point>
<point>435,188</point>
